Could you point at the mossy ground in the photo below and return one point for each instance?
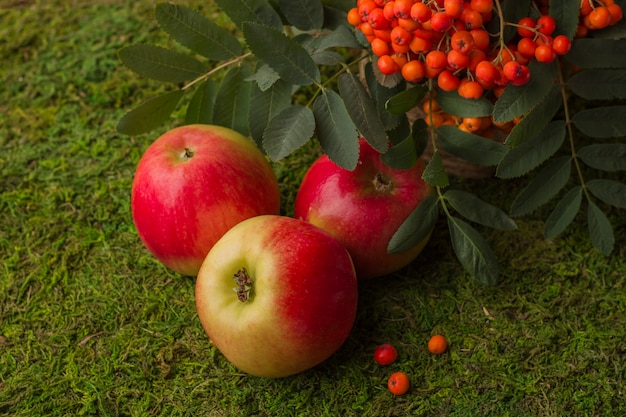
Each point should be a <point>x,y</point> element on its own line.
<point>91,324</point>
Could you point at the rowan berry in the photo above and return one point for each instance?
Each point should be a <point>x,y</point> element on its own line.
<point>476,56</point>
<point>365,8</point>
<point>453,7</point>
<point>409,24</point>
<point>388,11</point>
<point>387,65</point>
<point>545,54</point>
<point>354,18</point>
<point>440,21</point>
<point>420,45</point>
<point>482,6</point>
<point>585,7</point>
<point>561,45</point>
<point>599,18</point>
<point>414,71</point>
<point>486,71</point>
<point>401,36</point>
<point>384,34</point>
<point>447,81</point>
<point>471,124</point>
<point>526,47</point>
<point>616,12</point>
<point>470,89</point>
<point>437,344</point>
<point>516,73</point>
<point>546,25</point>
<point>526,26</point>
<point>380,47</point>
<point>436,59</point>
<point>471,18</point>
<point>402,8</point>
<point>462,41</point>
<point>457,60</point>
<point>421,12</point>
<point>481,38</point>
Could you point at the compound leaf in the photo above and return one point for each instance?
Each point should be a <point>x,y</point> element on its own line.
<point>258,11</point>
<point>288,131</point>
<point>233,97</point>
<point>526,157</point>
<point>564,213</point>
<point>265,105</point>
<point>605,157</point>
<point>417,226</point>
<point>536,119</point>
<point>303,14</point>
<point>473,252</point>
<point>598,53</point>
<point>335,130</point>
<point>161,64</point>
<point>474,209</point>
<point>609,191</point>
<point>150,114</point>
<point>600,229</point>
<point>362,110</point>
<point>471,147</point>
<point>196,32</point>
<point>202,104</point>
<point>602,122</point>
<point>453,103</point>
<point>599,84</point>
<point>545,185</point>
<point>406,100</point>
<point>435,174</point>
<point>285,56</point>
<point>566,15</point>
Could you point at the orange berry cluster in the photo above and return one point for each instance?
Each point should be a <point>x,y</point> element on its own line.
<point>596,14</point>
<point>446,40</point>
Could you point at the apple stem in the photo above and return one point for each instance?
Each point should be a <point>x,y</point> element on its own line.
<point>382,183</point>
<point>244,285</point>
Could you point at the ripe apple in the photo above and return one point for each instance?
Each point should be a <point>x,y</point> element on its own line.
<point>193,184</point>
<point>363,208</point>
<point>277,295</point>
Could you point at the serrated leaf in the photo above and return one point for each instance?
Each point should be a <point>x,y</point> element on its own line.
<point>265,77</point>
<point>599,84</point>
<point>265,105</point>
<point>600,229</point>
<point>335,130</point>
<point>435,174</point>
<point>453,103</point>
<point>303,14</point>
<point>605,157</point>
<point>598,53</point>
<point>339,37</point>
<point>288,131</point>
<point>400,132</point>
<point>566,15</point>
<point>150,114</point>
<point>478,211</point>
<point>406,100</point>
<point>609,191</point>
<point>196,32</point>
<point>401,156</point>
<point>258,11</point>
<point>329,58</point>
<point>161,64</point>
<point>537,119</point>
<point>543,187</point>
<point>473,252</point>
<point>233,98</point>
<point>528,156</point>
<point>417,226</point>
<point>515,101</point>
<point>202,104</point>
<point>285,56</point>
<point>362,110</point>
<point>564,213</point>
<point>381,96</point>
<point>602,122</point>
<point>470,147</point>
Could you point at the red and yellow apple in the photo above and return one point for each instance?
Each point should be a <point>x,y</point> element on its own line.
<point>363,208</point>
<point>277,295</point>
<point>192,185</point>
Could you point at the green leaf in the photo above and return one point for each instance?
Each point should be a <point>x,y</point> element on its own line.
<point>288,131</point>
<point>598,53</point>
<point>600,229</point>
<point>362,110</point>
<point>329,58</point>
<point>202,104</point>
<point>161,64</point>
<point>285,56</point>
<point>406,100</point>
<point>265,105</point>
<point>605,157</point>
<point>453,103</point>
<point>476,210</point>
<point>473,252</point>
<point>233,101</point>
<point>257,11</point>
<point>470,147</point>
<point>526,157</point>
<point>417,226</point>
<point>381,96</point>
<point>400,132</point>
<point>515,101</point>
<point>602,122</point>
<point>545,185</point>
<point>599,84</point>
<point>335,130</point>
<point>609,191</point>
<point>403,155</point>
<point>564,213</point>
<point>512,11</point>
<point>303,14</point>
<point>265,77</point>
<point>537,119</point>
<point>340,37</point>
<point>435,174</point>
<point>566,15</point>
<point>150,114</point>
<point>196,32</point>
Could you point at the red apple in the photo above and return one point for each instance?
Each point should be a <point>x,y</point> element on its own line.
<point>277,295</point>
<point>192,185</point>
<point>363,208</point>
